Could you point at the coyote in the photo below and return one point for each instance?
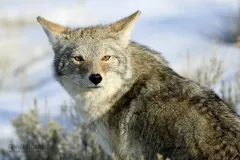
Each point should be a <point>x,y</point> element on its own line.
<point>140,106</point>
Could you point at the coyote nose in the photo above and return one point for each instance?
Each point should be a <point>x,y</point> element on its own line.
<point>95,78</point>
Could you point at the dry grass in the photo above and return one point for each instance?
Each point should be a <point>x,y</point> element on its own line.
<point>210,74</point>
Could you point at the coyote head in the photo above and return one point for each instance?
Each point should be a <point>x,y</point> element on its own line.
<point>91,63</point>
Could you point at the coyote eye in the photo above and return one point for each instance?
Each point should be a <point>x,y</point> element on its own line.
<point>106,58</point>
<point>78,58</point>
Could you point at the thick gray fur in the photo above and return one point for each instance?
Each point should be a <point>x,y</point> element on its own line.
<point>142,107</point>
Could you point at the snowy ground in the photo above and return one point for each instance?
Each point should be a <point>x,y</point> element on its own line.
<point>171,27</point>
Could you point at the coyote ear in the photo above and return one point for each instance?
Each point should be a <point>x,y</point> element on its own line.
<point>54,31</point>
<point>124,27</point>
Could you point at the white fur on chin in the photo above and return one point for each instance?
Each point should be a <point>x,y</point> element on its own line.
<point>96,101</point>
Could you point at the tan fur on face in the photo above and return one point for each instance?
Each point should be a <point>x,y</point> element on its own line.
<point>103,67</point>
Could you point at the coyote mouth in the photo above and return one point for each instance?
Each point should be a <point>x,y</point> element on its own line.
<point>94,87</point>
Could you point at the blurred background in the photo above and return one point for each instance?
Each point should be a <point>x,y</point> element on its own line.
<point>200,39</point>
